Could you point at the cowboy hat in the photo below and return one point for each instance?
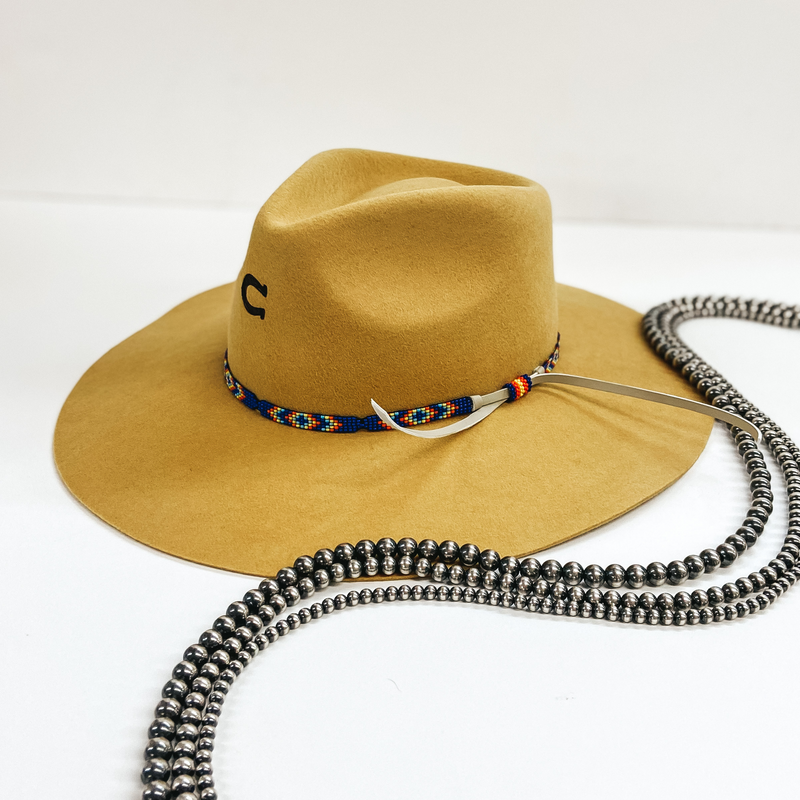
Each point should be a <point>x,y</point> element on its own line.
<point>237,430</point>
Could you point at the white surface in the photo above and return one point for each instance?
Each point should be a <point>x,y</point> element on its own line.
<point>674,112</point>
<point>398,701</point>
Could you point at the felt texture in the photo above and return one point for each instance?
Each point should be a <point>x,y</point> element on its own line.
<point>402,279</point>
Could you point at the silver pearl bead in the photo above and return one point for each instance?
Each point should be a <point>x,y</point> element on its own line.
<point>474,577</point>
<point>594,576</point>
<point>439,572</point>
<point>156,790</point>
<point>742,609</point>
<point>353,598</point>
<point>405,564</point>
<point>551,570</point>
<point>716,596</point>
<point>490,579</point>
<point>490,560</point>
<point>175,689</point>
<point>558,591</point>
<point>386,547</point>
<point>677,572</point>
<point>423,568</point>
<point>711,560</point>
<point>612,597</point>
<point>577,593</point>
<point>388,565</point>
<point>727,554</point>
<point>158,748</point>
<point>407,547</point>
<point>269,587</point>
<point>322,579</point>
<point>323,558</point>
<point>456,575</point>
<point>197,699</point>
<point>292,595</point>
<point>572,573</point>
<point>364,549</point>
<point>448,551</point>
<point>156,769</point>
<point>507,582</point>
<point>656,574</point>
<point>636,575</point>
<point>665,601</point>
<point>183,766</point>
<point>594,596</point>
<point>184,783</point>
<point>278,603</point>
<point>286,577</point>
<point>304,566</point>
<point>429,549</point>
<point>371,567</point>
<point>530,567</point>
<point>192,715</point>
<point>509,565</point>
<point>469,555</point>
<point>337,573</point>
<point>614,576</point>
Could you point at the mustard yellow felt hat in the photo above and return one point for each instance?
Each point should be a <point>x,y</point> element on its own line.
<point>414,282</point>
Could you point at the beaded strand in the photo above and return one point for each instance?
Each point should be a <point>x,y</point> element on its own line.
<point>178,755</point>
<point>335,423</point>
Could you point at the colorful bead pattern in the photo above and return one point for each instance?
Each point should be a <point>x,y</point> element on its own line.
<point>520,386</point>
<point>334,423</point>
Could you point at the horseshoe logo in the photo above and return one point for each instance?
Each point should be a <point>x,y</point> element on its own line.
<point>249,281</point>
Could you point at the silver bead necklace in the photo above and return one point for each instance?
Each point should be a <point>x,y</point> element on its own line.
<point>178,756</point>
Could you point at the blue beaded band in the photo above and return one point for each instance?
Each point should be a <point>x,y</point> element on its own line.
<point>334,423</point>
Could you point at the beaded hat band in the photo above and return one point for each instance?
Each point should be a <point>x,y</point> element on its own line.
<point>334,423</point>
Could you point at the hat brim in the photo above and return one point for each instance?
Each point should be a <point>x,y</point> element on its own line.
<point>152,442</point>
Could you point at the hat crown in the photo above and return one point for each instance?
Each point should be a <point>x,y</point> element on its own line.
<point>409,280</point>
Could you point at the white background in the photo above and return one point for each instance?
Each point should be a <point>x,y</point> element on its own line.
<point>684,111</point>
<point>138,142</point>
